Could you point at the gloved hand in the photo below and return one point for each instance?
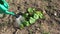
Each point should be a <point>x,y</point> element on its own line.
<point>4,7</point>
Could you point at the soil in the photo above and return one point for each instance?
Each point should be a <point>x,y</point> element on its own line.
<point>49,25</point>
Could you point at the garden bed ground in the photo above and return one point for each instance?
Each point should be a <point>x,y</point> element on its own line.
<point>51,24</point>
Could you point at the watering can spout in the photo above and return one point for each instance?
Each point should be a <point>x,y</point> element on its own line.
<point>11,13</point>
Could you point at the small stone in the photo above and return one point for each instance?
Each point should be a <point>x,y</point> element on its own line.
<point>55,13</point>
<point>1,15</point>
<point>38,28</point>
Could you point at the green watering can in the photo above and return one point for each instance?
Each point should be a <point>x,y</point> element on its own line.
<point>4,8</point>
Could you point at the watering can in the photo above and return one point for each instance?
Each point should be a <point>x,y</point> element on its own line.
<point>4,8</point>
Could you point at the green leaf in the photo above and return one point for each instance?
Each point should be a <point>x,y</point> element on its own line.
<point>34,9</point>
<point>30,10</point>
<point>45,32</point>
<point>36,16</point>
<point>21,26</point>
<point>26,23</point>
<point>25,15</point>
<point>32,20</point>
<point>40,14</point>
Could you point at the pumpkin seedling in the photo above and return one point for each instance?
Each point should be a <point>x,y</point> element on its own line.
<point>28,19</point>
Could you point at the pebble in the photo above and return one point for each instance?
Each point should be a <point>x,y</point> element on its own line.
<point>55,13</point>
<point>1,15</point>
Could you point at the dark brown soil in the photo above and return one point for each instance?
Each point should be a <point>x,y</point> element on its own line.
<point>49,25</point>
